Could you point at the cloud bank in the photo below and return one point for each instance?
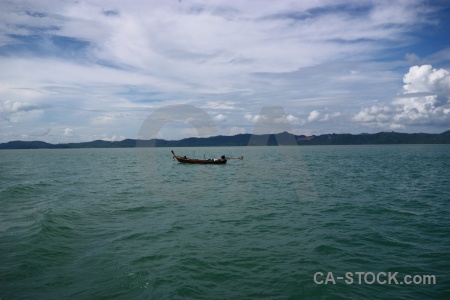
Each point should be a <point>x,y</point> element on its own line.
<point>425,101</point>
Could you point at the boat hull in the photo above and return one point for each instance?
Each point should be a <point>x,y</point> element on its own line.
<point>200,161</point>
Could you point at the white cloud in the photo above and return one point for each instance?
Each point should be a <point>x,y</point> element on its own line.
<point>322,116</point>
<point>252,118</point>
<point>313,116</point>
<point>220,39</point>
<point>292,119</point>
<point>220,118</point>
<point>425,109</point>
<point>427,79</point>
<point>426,101</point>
<point>330,116</point>
<point>374,113</point>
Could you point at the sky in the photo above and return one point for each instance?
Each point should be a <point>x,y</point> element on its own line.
<point>74,71</point>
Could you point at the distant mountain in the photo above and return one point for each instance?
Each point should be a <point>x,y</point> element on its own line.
<point>250,140</point>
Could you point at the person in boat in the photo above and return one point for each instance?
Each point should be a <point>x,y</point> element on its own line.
<point>221,158</point>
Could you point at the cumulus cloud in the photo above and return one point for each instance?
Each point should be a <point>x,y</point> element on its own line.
<point>292,119</point>
<point>322,116</point>
<point>330,116</point>
<point>220,118</point>
<point>377,116</point>
<point>427,79</point>
<point>425,101</point>
<point>416,107</point>
<point>273,118</point>
<point>313,116</point>
<point>252,118</point>
<point>283,119</point>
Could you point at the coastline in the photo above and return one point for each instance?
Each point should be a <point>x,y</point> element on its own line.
<point>381,138</point>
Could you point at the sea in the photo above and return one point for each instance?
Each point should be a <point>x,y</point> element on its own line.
<point>305,222</point>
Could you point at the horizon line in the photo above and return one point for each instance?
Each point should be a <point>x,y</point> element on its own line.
<point>205,137</point>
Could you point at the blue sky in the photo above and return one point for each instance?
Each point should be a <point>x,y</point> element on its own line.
<point>84,70</point>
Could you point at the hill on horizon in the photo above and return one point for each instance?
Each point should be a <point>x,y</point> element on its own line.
<point>247,139</point>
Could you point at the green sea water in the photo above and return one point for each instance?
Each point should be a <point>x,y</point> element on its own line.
<point>135,224</point>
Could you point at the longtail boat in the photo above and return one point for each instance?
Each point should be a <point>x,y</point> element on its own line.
<point>185,160</point>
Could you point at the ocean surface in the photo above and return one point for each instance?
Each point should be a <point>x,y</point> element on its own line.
<point>135,224</point>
